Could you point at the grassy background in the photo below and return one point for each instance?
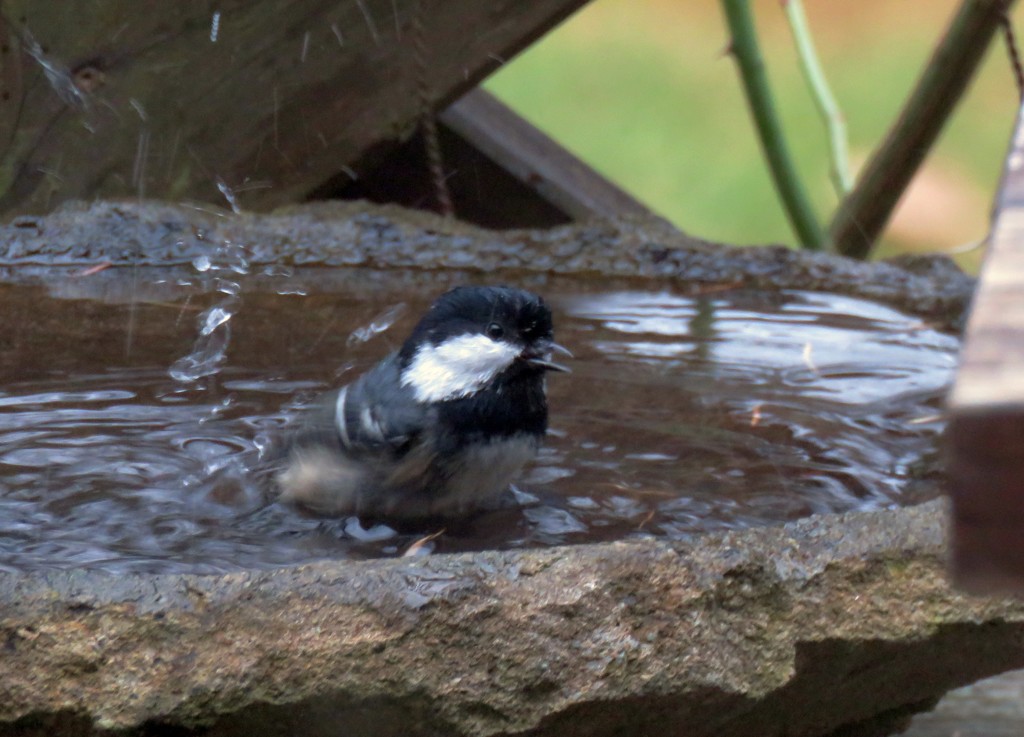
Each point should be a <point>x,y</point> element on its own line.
<point>642,90</point>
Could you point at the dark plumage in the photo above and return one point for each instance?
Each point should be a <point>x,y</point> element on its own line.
<point>441,426</point>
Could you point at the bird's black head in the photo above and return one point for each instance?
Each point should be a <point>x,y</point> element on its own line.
<point>471,335</point>
<point>500,313</point>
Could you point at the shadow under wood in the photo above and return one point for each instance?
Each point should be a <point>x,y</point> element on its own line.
<point>482,192</point>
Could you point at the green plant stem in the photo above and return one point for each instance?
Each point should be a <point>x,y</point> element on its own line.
<point>755,84</point>
<point>862,216</point>
<point>822,95</point>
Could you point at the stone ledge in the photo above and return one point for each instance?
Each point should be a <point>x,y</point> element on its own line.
<point>360,234</point>
<point>830,625</point>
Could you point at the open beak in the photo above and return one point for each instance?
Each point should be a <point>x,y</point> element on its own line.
<point>539,356</point>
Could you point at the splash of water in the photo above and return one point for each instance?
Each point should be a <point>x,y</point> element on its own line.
<point>229,195</point>
<point>214,324</point>
<point>57,73</point>
<point>210,348</point>
<point>377,325</point>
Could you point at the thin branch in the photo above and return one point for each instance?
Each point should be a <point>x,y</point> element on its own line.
<point>773,144</point>
<point>1014,52</point>
<point>862,216</point>
<point>822,95</point>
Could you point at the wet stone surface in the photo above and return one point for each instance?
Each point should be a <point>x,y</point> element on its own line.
<point>353,234</point>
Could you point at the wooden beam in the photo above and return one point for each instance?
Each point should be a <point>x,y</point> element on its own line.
<point>251,100</point>
<point>986,433</point>
<point>500,170</point>
<point>536,161</point>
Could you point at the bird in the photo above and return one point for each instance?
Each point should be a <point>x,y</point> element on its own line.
<point>438,428</point>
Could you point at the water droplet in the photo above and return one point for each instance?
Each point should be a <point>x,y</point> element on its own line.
<point>278,270</point>
<point>552,521</point>
<point>210,347</point>
<point>377,325</point>
<point>547,474</point>
<point>235,257</point>
<point>354,528</point>
<point>228,287</point>
<point>523,498</point>
<point>213,318</point>
<point>202,263</point>
<point>262,442</point>
<point>229,195</point>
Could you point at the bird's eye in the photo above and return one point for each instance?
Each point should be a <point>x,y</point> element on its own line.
<point>495,331</point>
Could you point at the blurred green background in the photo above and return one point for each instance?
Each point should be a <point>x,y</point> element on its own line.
<point>643,91</point>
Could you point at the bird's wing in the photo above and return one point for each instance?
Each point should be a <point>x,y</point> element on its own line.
<point>376,412</point>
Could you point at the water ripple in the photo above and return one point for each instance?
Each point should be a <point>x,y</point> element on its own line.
<point>682,415</point>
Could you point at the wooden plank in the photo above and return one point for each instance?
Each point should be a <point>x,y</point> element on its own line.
<point>481,191</point>
<point>500,170</point>
<point>986,433</point>
<point>535,160</point>
<point>254,100</point>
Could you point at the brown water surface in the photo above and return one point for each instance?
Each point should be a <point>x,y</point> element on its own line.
<point>134,404</point>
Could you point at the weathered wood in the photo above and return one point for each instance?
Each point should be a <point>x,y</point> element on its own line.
<point>482,192</point>
<point>501,173</point>
<point>987,406</point>
<point>535,160</point>
<point>262,101</point>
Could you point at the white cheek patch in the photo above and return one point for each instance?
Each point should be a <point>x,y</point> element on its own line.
<point>457,367</point>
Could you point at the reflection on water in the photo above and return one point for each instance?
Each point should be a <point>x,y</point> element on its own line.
<point>683,414</point>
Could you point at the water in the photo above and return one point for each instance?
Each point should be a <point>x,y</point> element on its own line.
<point>684,413</point>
